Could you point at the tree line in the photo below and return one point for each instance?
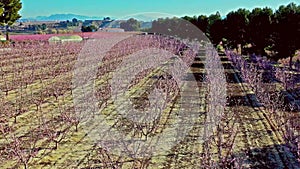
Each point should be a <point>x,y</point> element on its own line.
<point>262,28</point>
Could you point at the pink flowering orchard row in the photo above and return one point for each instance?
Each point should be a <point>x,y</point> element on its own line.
<point>281,104</point>
<point>35,37</point>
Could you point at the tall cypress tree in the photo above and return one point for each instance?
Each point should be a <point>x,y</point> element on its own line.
<point>10,9</point>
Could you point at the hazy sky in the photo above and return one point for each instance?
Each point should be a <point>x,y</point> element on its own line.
<point>120,8</point>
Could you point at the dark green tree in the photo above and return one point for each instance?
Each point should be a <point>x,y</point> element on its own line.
<point>44,26</point>
<point>10,13</point>
<point>202,23</point>
<point>159,25</point>
<point>215,28</point>
<point>287,31</point>
<point>260,29</point>
<point>75,22</point>
<point>236,23</point>
<point>131,25</point>
<point>91,28</point>
<point>177,27</point>
<point>214,17</point>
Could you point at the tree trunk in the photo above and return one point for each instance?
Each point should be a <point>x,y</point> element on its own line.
<point>291,62</point>
<point>7,37</point>
<point>239,49</point>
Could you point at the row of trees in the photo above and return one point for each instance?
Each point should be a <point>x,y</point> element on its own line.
<point>262,28</point>
<point>37,27</point>
<point>66,24</point>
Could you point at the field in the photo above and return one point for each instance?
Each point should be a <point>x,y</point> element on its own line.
<point>120,100</point>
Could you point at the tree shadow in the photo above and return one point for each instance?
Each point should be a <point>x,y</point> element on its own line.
<point>231,77</point>
<point>199,77</point>
<point>224,59</point>
<point>233,101</point>
<point>269,157</point>
<point>198,65</point>
<point>227,65</point>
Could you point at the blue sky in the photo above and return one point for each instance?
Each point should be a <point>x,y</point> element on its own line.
<point>121,8</point>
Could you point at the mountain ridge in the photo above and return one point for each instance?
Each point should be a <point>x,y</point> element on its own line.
<point>70,16</point>
<point>62,17</point>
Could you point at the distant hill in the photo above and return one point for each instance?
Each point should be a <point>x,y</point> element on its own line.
<point>62,17</point>
<point>147,17</point>
<point>141,17</point>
